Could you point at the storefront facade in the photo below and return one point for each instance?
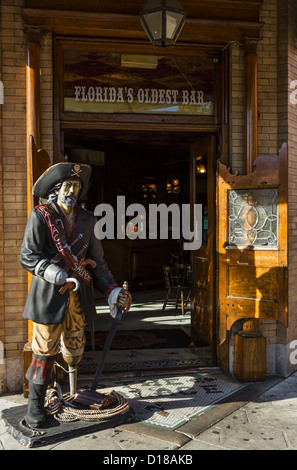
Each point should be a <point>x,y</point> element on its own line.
<point>77,75</point>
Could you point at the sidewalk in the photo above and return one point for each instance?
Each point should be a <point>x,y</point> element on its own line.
<point>261,416</point>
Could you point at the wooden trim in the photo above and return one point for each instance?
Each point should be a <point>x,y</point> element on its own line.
<point>204,314</point>
<point>222,103</point>
<point>58,65</point>
<point>238,2</point>
<point>88,5</point>
<point>62,126</point>
<point>211,202</point>
<point>48,16</point>
<point>134,45</point>
<point>127,126</point>
<point>209,25</point>
<point>116,119</point>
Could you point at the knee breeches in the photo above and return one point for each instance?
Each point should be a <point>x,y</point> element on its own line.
<point>67,338</point>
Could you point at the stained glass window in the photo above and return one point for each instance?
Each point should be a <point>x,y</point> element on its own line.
<point>253,217</point>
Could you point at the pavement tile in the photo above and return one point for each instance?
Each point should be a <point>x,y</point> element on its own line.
<point>275,414</point>
<point>128,441</point>
<point>172,437</point>
<point>101,440</point>
<point>114,440</point>
<point>4,404</point>
<point>199,444</point>
<point>9,443</point>
<point>236,432</point>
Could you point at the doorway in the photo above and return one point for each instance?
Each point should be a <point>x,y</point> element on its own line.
<point>144,167</point>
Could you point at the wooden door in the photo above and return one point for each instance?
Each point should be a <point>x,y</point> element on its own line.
<point>203,259</point>
<point>251,245</point>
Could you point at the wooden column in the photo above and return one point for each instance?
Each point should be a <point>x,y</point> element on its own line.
<point>251,138</point>
<point>33,104</point>
<point>222,94</point>
<point>33,129</point>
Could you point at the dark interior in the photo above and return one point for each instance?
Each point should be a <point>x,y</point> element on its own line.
<point>138,165</point>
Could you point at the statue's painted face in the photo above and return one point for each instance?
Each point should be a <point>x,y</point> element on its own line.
<point>69,191</point>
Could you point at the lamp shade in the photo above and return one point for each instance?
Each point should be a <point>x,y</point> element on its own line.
<point>162,20</point>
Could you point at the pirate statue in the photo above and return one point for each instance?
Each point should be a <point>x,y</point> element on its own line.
<point>67,263</point>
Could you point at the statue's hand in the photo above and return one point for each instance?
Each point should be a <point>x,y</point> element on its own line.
<point>61,277</point>
<point>55,275</point>
<point>124,301</point>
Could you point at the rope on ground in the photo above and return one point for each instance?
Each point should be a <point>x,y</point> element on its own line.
<point>61,407</point>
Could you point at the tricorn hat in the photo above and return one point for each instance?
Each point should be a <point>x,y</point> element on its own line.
<point>58,172</point>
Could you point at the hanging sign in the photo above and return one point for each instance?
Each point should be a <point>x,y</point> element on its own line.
<point>100,83</point>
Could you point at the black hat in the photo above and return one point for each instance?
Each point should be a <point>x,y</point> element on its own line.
<point>58,172</point>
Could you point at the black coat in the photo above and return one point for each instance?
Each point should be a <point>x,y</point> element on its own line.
<point>44,302</point>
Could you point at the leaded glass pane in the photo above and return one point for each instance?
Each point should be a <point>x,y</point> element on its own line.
<point>253,217</point>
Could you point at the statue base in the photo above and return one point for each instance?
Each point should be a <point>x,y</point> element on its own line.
<point>54,430</point>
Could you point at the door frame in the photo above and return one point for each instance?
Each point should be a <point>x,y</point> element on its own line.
<point>208,143</point>
<point>212,135</point>
<point>215,126</point>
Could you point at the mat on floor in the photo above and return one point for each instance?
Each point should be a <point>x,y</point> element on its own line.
<point>142,359</point>
<point>137,339</point>
<point>169,401</point>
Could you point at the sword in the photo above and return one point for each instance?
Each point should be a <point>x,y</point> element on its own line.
<point>108,342</point>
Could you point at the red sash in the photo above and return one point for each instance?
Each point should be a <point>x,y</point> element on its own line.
<point>65,253</point>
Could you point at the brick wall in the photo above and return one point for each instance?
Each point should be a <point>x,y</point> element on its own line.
<point>237,107</point>
<point>267,91</point>
<point>292,177</point>
<point>282,72</point>
<point>267,80</point>
<point>13,173</point>
<point>14,177</point>
<point>2,332</point>
<point>46,92</point>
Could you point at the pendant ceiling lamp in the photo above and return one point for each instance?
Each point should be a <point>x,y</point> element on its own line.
<point>162,20</point>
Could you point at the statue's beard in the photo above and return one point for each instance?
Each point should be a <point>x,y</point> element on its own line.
<point>69,200</point>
